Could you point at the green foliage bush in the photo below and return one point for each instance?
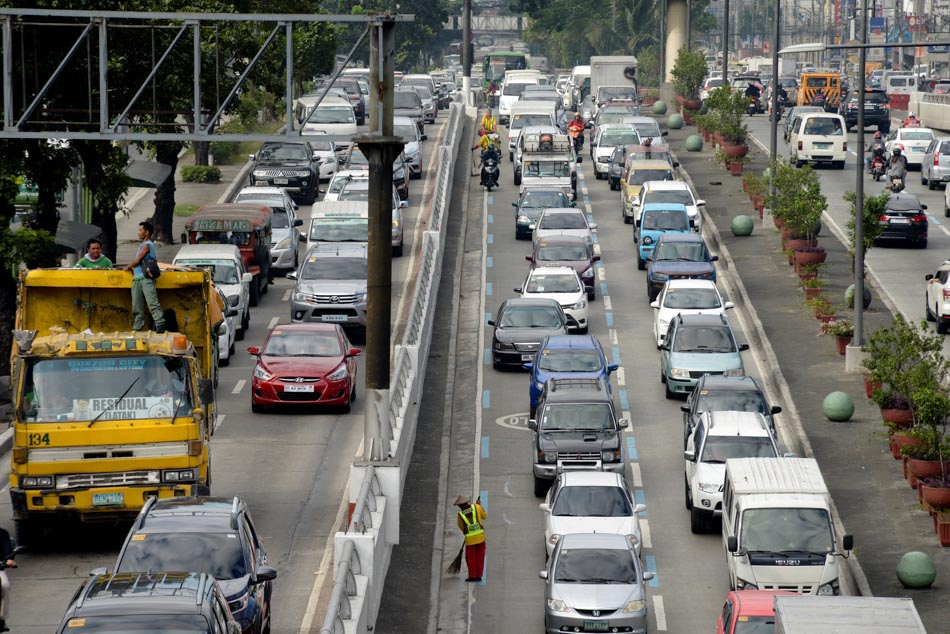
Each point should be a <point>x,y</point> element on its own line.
<point>200,174</point>
<point>688,73</point>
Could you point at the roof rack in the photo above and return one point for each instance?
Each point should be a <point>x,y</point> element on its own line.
<point>140,518</point>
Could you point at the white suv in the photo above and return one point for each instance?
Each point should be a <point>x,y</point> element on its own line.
<point>562,284</point>
<point>938,296</point>
<point>717,437</point>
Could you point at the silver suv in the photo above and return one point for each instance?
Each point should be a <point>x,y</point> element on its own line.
<point>331,285</point>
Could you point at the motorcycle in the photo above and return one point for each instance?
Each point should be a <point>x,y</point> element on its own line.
<point>897,185</point>
<point>3,563</point>
<point>577,136</point>
<point>780,110</point>
<point>490,171</point>
<point>818,100</point>
<point>754,106</point>
<point>493,98</point>
<point>877,166</point>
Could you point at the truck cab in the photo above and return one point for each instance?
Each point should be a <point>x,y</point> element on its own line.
<point>548,159</point>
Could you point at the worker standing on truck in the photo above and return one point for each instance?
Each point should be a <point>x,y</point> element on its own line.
<point>144,294</point>
<point>94,258</point>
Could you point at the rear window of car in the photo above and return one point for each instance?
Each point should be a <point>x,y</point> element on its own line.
<point>824,126</point>
<point>875,97</point>
<point>945,147</point>
<point>917,135</point>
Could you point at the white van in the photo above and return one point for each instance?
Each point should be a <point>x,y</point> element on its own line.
<point>900,84</point>
<point>525,113</point>
<point>334,116</point>
<point>818,137</point>
<point>228,273</point>
<point>338,221</point>
<point>777,527</point>
<point>511,91</point>
<point>580,85</point>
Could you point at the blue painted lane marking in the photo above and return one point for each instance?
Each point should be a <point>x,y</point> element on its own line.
<point>590,217</point>
<point>490,238</point>
<point>490,199</point>
<point>594,237</point>
<point>603,289</point>
<point>651,567</point>
<point>624,401</point>
<point>615,351</point>
<point>610,319</point>
<point>489,262</point>
<point>491,218</point>
<point>487,356</point>
<point>632,448</point>
<point>483,500</point>
<point>488,289</point>
<point>487,317</point>
<point>934,220</point>
<point>486,399</point>
<point>484,447</point>
<point>640,498</point>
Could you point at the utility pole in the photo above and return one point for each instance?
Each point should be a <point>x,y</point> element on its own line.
<point>467,50</point>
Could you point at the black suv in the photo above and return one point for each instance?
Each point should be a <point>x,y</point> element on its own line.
<point>210,535</point>
<point>876,111</point>
<point>149,602</point>
<point>575,428</point>
<point>716,393</point>
<point>291,165</point>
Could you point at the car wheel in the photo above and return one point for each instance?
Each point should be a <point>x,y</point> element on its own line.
<point>582,331</point>
<point>256,408</point>
<point>239,335</point>
<point>697,521</point>
<point>353,392</point>
<point>922,244</point>
<point>662,376</point>
<point>931,315</point>
<point>942,327</point>
<point>641,263</point>
<point>517,177</point>
<point>670,395</point>
<point>511,157</point>
<point>839,165</point>
<point>798,164</point>
<point>540,487</point>
<point>255,293</point>
<point>245,322</point>
<point>226,361</point>
<point>591,295</point>
<point>686,495</point>
<point>346,407</point>
<point>923,181</point>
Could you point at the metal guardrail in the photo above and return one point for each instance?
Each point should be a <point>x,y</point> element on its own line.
<point>943,100</point>
<point>408,369</point>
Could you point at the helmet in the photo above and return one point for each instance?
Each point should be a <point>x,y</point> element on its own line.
<point>911,115</point>
<point>488,113</point>
<point>878,135</point>
<point>577,115</point>
<point>897,151</point>
<point>494,137</point>
<point>481,132</point>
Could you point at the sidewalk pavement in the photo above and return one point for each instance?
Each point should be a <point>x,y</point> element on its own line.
<point>874,502</point>
<point>141,204</point>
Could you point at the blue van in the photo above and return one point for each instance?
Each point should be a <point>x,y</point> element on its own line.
<point>655,220</point>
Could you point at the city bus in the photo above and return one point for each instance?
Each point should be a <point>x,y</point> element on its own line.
<point>495,64</point>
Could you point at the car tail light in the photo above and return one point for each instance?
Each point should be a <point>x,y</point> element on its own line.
<point>901,146</point>
<point>919,218</point>
<point>946,294</point>
<point>845,146</point>
<point>883,219</point>
<point>936,159</point>
<point>800,147</point>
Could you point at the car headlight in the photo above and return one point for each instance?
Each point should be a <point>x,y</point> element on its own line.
<point>302,174</point>
<point>259,173</point>
<point>239,603</point>
<point>283,244</point>
<point>556,605</point>
<point>633,539</point>
<point>828,589</point>
<point>553,539</point>
<point>647,240</point>
<point>734,372</point>
<point>679,373</point>
<point>395,224</point>
<point>660,277</point>
<point>550,457</point>
<point>339,374</point>
<point>709,487</point>
<point>538,385</point>
<point>234,300</point>
<point>262,374</point>
<point>610,456</point>
<point>742,584</point>
<point>36,482</point>
<point>360,297</point>
<point>579,305</point>
<point>178,475</point>
<point>638,605</point>
<point>500,345</point>
<point>522,220</point>
<point>588,272</point>
<point>303,297</point>
<point>663,326</point>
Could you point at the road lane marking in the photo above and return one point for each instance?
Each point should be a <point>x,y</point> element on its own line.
<point>624,401</point>
<point>491,218</point>
<point>640,498</point>
<point>616,354</point>
<point>635,474</point>
<point>486,399</point>
<point>659,612</point>
<point>613,340</point>
<point>646,541</point>
<point>603,289</point>
<point>487,356</point>
<point>607,304</point>
<point>621,378</point>
<point>272,323</point>
<point>650,562</point>
<point>596,249</point>
<point>488,289</point>
<point>610,319</point>
<point>484,447</point>
<point>631,447</point>
<point>489,262</point>
<point>601,272</point>
<point>287,294</point>
<point>490,199</point>
<point>490,238</point>
<point>626,415</point>
<point>218,421</point>
<point>238,386</point>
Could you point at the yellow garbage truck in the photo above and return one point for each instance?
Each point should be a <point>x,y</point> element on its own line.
<point>105,418</point>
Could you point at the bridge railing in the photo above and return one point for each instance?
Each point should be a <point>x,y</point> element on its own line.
<point>363,550</point>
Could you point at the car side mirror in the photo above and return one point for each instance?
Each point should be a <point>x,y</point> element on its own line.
<point>923,206</point>
<point>611,367</point>
<point>517,290</point>
<point>776,409</point>
<point>301,237</point>
<point>648,575</point>
<point>232,311</point>
<point>206,391</point>
<point>743,347</point>
<point>714,258</point>
<point>847,542</point>
<point>623,423</point>
<point>928,277</point>
<point>664,346</point>
<point>184,237</point>
<point>676,163</point>
<point>529,258</point>
<point>655,304</point>
<point>665,133</point>
<point>266,573</point>
<point>96,572</point>
<point>533,424</point>
<point>684,408</point>
<point>246,278</point>
<point>728,305</point>
<point>732,544</point>
<point>639,508</point>
<point>491,322</point>
<point>403,204</point>
<point>789,454</point>
<point>515,205</point>
<point>254,350</point>
<point>528,366</point>
<point>424,137</point>
<point>700,203</point>
<point>292,275</point>
<point>689,455</point>
<point>593,225</point>
<point>595,258</point>
<point>252,157</point>
<point>573,204</point>
<point>543,575</point>
<point>580,159</point>
<point>298,222</point>
<point>354,352</point>
<point>544,506</point>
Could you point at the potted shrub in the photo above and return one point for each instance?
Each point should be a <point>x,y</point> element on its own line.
<point>811,287</point>
<point>873,209</point>
<point>809,271</point>
<point>843,331</point>
<point>688,73</point>
<point>797,201</point>
<point>820,308</point>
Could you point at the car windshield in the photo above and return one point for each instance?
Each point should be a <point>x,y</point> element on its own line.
<point>280,219</point>
<point>680,196</point>
<point>617,92</point>
<point>684,251</point>
<point>406,99</point>
<point>563,221</point>
<point>567,360</point>
<point>613,117</point>
<point>645,129</point>
<point>624,138</point>
<point>904,203</point>
<point>253,196</point>
<point>595,565</point>
<point>321,146</point>
<point>559,169</point>
<point>406,131</point>
<point>283,152</point>
<point>222,272</point>
<point>530,317</point>
<point>302,344</point>
<point>544,199</point>
<point>780,529</point>
<point>357,157</point>
<point>512,90</point>
<point>592,501</point>
<point>576,417</point>
<point>562,252</point>
<point>354,193</point>
<point>692,298</point>
<point>704,339</point>
<point>823,126</point>
<point>320,268</point>
<point>107,388</point>
<point>552,283</point>
<point>640,176</point>
<point>917,135</point>
<point>332,114</point>
<point>524,120</point>
<point>731,401</point>
<point>217,554</point>
<point>718,449</point>
<point>339,230</point>
<point>755,625</point>
<point>140,624</point>
<point>665,220</point>
<point>714,83</point>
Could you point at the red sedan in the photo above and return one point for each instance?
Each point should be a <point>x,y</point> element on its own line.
<point>749,612</point>
<point>304,364</point>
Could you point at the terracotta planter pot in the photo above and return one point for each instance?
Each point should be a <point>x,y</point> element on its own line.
<point>735,151</point>
<point>826,319</point>
<point>943,528</point>
<point>679,99</point>
<point>778,222</point>
<point>934,496</point>
<point>692,104</point>
<point>794,243</point>
<point>803,276</point>
<point>718,138</point>
<point>811,292</point>
<point>745,185</point>
<point>870,386</point>
<point>707,136</point>
<point>899,441</point>
<point>926,468</point>
<point>735,168</point>
<point>842,342</point>
<point>687,118</point>
<point>904,473</point>
<point>900,417</point>
<point>809,257</point>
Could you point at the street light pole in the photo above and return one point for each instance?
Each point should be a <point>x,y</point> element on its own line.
<point>725,44</point>
<point>773,127</point>
<point>859,190</point>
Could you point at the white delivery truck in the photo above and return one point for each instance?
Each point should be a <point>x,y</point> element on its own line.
<point>613,77</point>
<point>548,160</point>
<point>777,527</point>
<point>846,615</point>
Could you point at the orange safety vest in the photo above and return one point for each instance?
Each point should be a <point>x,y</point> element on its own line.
<point>489,124</point>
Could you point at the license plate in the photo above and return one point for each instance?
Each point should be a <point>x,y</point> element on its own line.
<point>333,317</point>
<point>595,626</point>
<point>261,183</point>
<point>108,499</point>
<point>527,357</point>
<point>900,221</point>
<point>280,181</point>
<point>298,388</point>
<point>822,146</point>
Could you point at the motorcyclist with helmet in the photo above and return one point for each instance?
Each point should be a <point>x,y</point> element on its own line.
<point>896,168</point>
<point>489,123</point>
<point>576,130</point>
<point>490,145</point>
<point>875,147</point>
<point>911,121</point>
